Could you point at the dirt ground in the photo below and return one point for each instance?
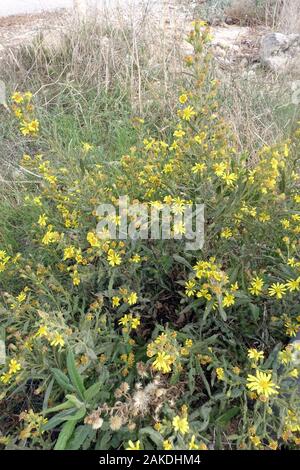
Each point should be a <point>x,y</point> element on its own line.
<point>21,29</point>
<point>230,42</point>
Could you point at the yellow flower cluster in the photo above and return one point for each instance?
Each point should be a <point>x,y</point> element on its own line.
<point>33,424</point>
<point>24,112</point>
<point>13,368</point>
<point>211,284</point>
<point>168,352</point>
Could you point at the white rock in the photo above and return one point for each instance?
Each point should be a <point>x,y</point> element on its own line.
<point>281,52</point>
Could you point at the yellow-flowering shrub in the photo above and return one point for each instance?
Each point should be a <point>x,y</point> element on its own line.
<point>143,344</point>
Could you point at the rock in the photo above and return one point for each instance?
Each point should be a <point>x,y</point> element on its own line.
<point>281,52</point>
<point>53,39</point>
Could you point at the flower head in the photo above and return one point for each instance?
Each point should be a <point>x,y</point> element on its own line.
<point>180,424</point>
<point>262,384</point>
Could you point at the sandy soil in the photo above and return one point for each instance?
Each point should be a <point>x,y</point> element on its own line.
<point>229,41</point>
<point>21,29</point>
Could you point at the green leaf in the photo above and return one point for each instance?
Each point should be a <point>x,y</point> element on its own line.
<point>191,381</point>
<point>64,435</point>
<point>47,394</point>
<point>2,345</point>
<point>205,414</point>
<point>254,311</point>
<point>62,380</point>
<point>154,435</point>
<point>78,415</point>
<point>201,372</point>
<point>75,377</point>
<point>81,433</point>
<point>58,419</point>
<point>74,400</point>
<point>63,406</point>
<point>183,261</point>
<point>92,391</point>
<point>103,443</point>
<point>225,418</point>
<point>221,309</point>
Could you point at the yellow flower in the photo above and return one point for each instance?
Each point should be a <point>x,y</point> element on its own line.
<point>28,95</point>
<point>183,98</point>
<point>42,220</point>
<point>93,240</point>
<point>179,228</point>
<point>132,446</point>
<point>135,322</point>
<point>179,133</point>
<point>263,217</point>
<point>262,384</point>
<point>125,320</point>
<point>17,97</point>
<point>230,179</point>
<point>198,168</point>
<point>293,285</point>
<point>192,445</point>
<point>50,237</point>
<point>190,288</point>
<point>42,332</point>
<point>116,301</point>
<point>21,297</point>
<point>75,277</point>
<point>256,286</point>
<point>220,168</point>
<point>135,258</point>
<point>180,424</point>
<point>294,374</point>
<point>14,367</point>
<point>18,113</point>
<point>5,378</point>
<point>278,290</point>
<point>31,127</point>
<point>228,300</point>
<point>167,445</point>
<point>113,258</point>
<point>69,252</point>
<point>255,440</point>
<point>234,287</point>
<point>291,328</point>
<point>187,113</point>
<point>202,446</point>
<point>132,298</point>
<point>157,426</point>
<point>285,356</point>
<point>273,445</point>
<point>163,362</point>
<point>220,373</point>
<point>226,233</point>
<point>86,147</point>
<point>255,354</point>
<point>57,340</point>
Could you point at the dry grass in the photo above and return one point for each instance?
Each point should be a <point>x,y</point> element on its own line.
<point>139,53</point>
<point>259,108</point>
<point>289,18</point>
<point>93,73</point>
<point>94,70</point>
<point>253,12</point>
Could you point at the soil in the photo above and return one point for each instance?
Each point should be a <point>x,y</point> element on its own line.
<point>21,29</point>
<point>230,41</point>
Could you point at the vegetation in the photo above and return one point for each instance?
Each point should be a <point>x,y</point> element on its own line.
<point>141,344</point>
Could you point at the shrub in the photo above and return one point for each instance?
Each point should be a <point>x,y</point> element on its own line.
<point>142,344</point>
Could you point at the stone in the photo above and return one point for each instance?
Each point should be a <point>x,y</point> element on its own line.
<point>53,39</point>
<point>281,52</point>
